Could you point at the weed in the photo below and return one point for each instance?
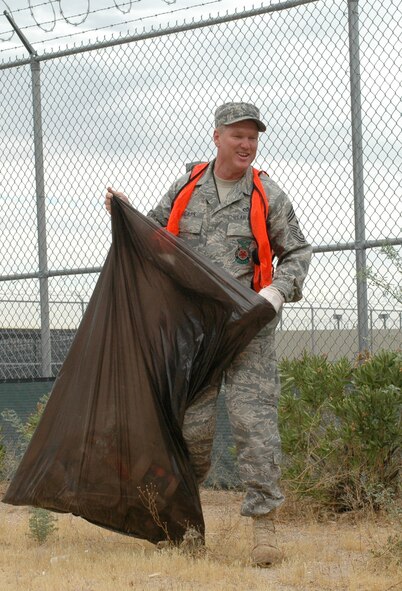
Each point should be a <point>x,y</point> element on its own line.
<point>23,430</point>
<point>391,553</point>
<point>149,498</point>
<point>42,523</point>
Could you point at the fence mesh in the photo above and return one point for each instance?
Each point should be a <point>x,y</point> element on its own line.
<point>133,115</point>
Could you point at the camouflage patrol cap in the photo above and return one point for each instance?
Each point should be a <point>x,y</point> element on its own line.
<point>234,112</point>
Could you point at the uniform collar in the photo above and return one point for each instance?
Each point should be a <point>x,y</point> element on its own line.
<point>207,174</point>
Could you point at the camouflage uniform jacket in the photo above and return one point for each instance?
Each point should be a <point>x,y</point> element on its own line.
<point>221,231</point>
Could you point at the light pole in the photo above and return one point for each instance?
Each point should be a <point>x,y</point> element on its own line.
<point>338,318</point>
<point>383,317</point>
<point>79,296</point>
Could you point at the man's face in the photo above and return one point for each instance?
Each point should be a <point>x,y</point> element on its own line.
<point>237,146</point>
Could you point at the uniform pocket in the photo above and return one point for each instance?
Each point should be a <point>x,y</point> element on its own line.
<point>190,225</point>
<point>241,240</point>
<point>239,229</point>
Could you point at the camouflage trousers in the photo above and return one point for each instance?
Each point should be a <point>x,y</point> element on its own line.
<point>252,390</point>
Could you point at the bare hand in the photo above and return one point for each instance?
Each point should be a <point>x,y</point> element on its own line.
<point>109,196</point>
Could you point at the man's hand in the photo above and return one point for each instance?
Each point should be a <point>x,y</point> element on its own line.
<point>109,196</point>
<point>273,296</point>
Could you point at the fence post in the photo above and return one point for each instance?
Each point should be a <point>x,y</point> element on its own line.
<point>46,356</point>
<point>358,177</point>
<point>41,220</point>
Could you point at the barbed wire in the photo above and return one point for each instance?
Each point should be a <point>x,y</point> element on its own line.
<point>124,11</point>
<point>64,18</point>
<point>27,8</point>
<point>117,5</point>
<point>12,32</point>
<point>79,22</point>
<point>127,22</point>
<point>50,25</point>
<point>40,25</point>
<point>81,14</point>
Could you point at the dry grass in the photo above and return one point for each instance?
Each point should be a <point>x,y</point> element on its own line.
<point>339,554</point>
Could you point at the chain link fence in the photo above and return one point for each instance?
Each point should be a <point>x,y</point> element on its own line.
<point>133,112</point>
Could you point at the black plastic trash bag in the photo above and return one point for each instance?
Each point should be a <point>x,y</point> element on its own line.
<point>162,324</point>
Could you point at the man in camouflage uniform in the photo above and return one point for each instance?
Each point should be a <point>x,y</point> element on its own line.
<point>216,223</point>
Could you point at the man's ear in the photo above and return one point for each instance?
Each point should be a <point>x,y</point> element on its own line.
<point>216,137</point>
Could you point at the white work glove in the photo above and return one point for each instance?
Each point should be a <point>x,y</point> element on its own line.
<point>273,296</point>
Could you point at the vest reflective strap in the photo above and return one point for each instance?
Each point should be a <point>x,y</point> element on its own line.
<point>182,198</point>
<point>258,221</point>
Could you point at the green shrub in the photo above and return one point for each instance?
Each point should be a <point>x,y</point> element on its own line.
<point>313,378</point>
<point>340,429</point>
<point>25,430</point>
<point>42,523</point>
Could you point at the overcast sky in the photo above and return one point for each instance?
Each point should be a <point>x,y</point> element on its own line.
<point>133,115</point>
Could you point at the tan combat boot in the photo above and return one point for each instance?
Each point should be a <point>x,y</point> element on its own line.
<point>265,550</point>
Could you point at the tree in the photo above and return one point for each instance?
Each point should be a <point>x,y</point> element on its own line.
<point>394,286</point>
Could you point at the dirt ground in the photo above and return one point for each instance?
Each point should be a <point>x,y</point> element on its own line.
<point>322,553</point>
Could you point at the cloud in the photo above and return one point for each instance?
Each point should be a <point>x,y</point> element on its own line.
<point>132,116</point>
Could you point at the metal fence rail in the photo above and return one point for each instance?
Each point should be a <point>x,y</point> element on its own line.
<point>133,112</point>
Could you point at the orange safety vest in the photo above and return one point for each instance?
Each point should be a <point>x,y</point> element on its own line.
<point>262,257</point>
